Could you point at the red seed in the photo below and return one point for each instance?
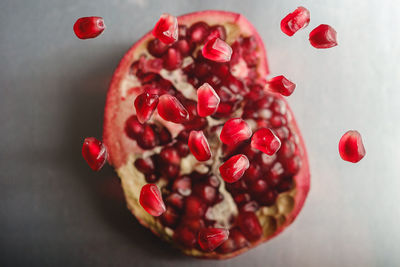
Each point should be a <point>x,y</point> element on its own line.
<point>205,192</point>
<point>170,109</point>
<point>324,36</point>
<point>198,32</point>
<point>295,21</point>
<point>145,105</point>
<point>183,185</point>
<point>266,141</point>
<point>211,238</point>
<point>89,27</point>
<point>175,200</point>
<point>199,146</point>
<point>156,47</point>
<point>133,128</point>
<point>249,225</point>
<point>169,218</point>
<point>151,200</point>
<point>234,131</point>
<point>207,100</point>
<point>172,59</point>
<point>234,168</point>
<point>145,165</point>
<point>351,147</point>
<point>166,29</point>
<point>185,236</point>
<point>281,85</point>
<point>217,50</point>
<point>195,207</point>
<point>148,139</point>
<point>94,152</point>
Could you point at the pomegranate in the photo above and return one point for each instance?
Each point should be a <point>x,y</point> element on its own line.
<point>198,146</point>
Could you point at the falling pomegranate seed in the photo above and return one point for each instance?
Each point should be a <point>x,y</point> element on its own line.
<point>145,105</point>
<point>211,238</point>
<point>266,141</point>
<point>217,50</point>
<point>234,131</point>
<point>234,168</point>
<point>323,36</point>
<point>295,21</point>
<point>207,100</point>
<point>199,146</point>
<point>151,200</point>
<point>170,109</point>
<point>351,147</point>
<point>281,85</point>
<point>94,152</point>
<point>166,29</point>
<point>89,27</point>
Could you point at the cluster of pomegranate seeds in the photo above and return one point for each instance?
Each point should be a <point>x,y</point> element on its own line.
<point>217,50</point>
<point>207,100</point>
<point>94,152</point>
<point>234,168</point>
<point>166,29</point>
<point>199,146</point>
<point>234,131</point>
<point>266,141</point>
<point>295,21</point>
<point>281,85</point>
<point>151,200</point>
<point>351,147</point>
<point>89,27</point>
<point>211,238</point>
<point>323,36</point>
<point>145,105</point>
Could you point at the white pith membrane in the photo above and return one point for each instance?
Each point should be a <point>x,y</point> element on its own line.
<point>270,217</point>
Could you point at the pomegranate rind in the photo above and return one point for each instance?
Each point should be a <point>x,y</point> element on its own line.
<point>121,148</point>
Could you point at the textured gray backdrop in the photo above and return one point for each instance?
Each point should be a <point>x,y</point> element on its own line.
<point>55,212</point>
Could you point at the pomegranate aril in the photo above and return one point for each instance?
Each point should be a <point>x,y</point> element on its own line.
<point>217,50</point>
<point>94,152</point>
<point>185,237</point>
<point>205,192</point>
<point>252,173</point>
<point>170,109</point>
<point>227,247</point>
<point>238,238</point>
<point>182,148</point>
<point>201,69</point>
<point>175,200</point>
<point>148,139</point>
<point>172,59</point>
<point>170,155</point>
<point>217,31</point>
<point>145,105</point>
<point>198,32</point>
<point>234,168</point>
<point>170,171</point>
<point>258,187</point>
<point>192,223</point>
<point>211,238</point>
<point>166,29</point>
<point>183,185</point>
<point>234,131</point>
<point>266,141</point>
<point>133,128</point>
<point>156,48</point>
<point>151,200</point>
<point>287,149</point>
<point>249,225</point>
<point>145,165</point>
<point>267,198</point>
<point>89,27</point>
<point>251,206</point>
<point>194,207</point>
<point>292,165</point>
<point>323,36</point>
<point>242,198</point>
<point>170,217</point>
<point>213,181</point>
<point>295,21</point>
<point>164,136</point>
<point>351,147</point>
<point>183,47</point>
<point>281,85</point>
<point>199,146</point>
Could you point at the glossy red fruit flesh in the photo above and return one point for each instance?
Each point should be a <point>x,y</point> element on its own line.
<point>166,29</point>
<point>207,100</point>
<point>211,238</point>
<point>89,27</point>
<point>234,168</point>
<point>217,50</point>
<point>199,146</point>
<point>234,131</point>
<point>94,152</point>
<point>266,141</point>
<point>145,105</point>
<point>351,147</point>
<point>281,85</point>
<point>295,21</point>
<point>323,36</point>
<point>273,188</point>
<point>151,200</point>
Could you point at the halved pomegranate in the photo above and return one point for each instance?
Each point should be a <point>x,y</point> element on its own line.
<point>272,190</point>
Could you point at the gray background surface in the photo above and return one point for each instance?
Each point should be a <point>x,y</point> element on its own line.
<point>55,212</point>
